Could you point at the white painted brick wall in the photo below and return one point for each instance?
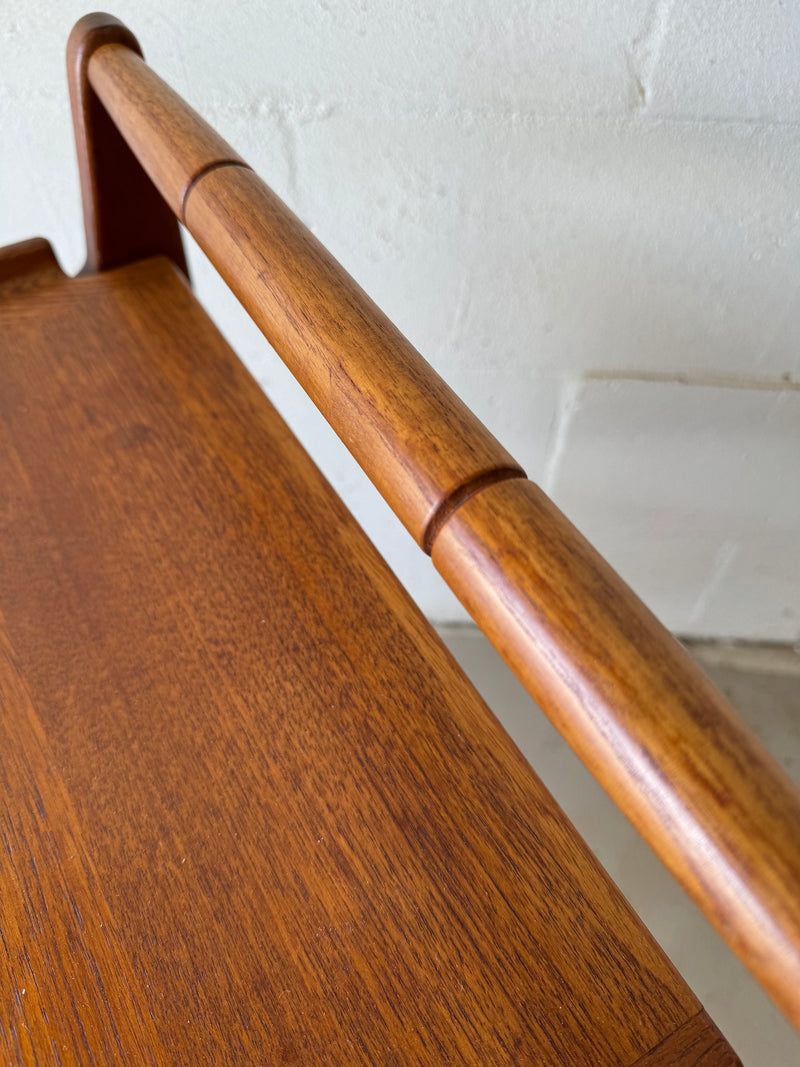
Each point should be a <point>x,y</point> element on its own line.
<point>567,207</point>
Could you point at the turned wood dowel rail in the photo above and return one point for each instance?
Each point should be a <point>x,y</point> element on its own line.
<point>717,809</point>
<point>417,441</point>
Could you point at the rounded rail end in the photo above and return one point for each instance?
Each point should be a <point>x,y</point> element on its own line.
<point>124,216</point>
<point>90,33</point>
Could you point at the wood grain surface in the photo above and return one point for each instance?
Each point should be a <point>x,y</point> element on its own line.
<point>252,811</point>
<point>717,808</point>
<point>124,216</point>
<point>416,440</point>
<point>175,145</point>
<point>26,260</point>
<point>718,811</point>
<point>697,1042</point>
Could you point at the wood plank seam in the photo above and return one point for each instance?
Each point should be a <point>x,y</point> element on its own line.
<point>696,1043</point>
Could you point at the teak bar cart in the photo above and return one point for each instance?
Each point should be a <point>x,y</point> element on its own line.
<point>252,811</point>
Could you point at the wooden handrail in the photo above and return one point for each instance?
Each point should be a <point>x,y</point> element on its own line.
<point>717,809</point>
<point>413,436</point>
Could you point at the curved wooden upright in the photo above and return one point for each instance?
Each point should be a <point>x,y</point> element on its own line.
<point>124,217</point>
<point>718,810</point>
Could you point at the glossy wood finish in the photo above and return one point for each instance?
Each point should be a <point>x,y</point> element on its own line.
<point>417,441</point>
<point>175,144</point>
<point>251,810</point>
<point>715,806</point>
<point>640,714</point>
<point>124,216</point>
